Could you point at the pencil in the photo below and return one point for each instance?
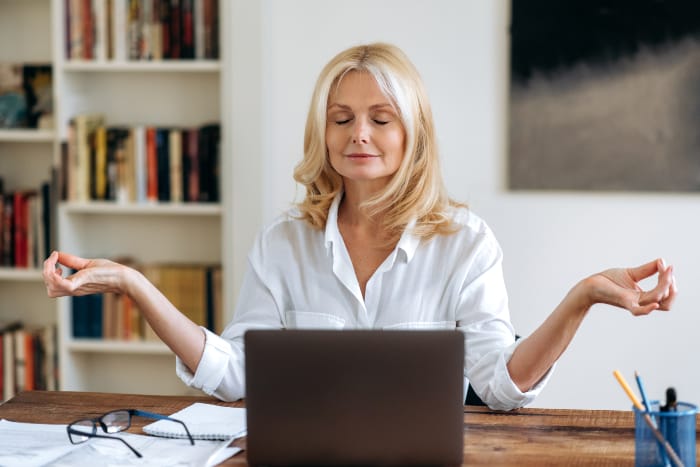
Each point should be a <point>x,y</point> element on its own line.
<point>647,418</point>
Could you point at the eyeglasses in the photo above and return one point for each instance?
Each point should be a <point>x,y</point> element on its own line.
<point>114,422</point>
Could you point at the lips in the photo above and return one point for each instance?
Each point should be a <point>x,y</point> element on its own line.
<point>361,156</point>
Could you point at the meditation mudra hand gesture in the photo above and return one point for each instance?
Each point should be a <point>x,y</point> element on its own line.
<point>375,243</point>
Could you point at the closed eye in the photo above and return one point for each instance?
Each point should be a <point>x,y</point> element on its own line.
<point>381,122</point>
<point>342,122</point>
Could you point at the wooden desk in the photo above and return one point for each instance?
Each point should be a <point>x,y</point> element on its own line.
<point>527,437</point>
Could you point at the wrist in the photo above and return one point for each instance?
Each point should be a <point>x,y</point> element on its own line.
<point>582,295</point>
<point>130,279</point>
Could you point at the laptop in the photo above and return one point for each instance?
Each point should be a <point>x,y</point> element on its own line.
<point>355,397</point>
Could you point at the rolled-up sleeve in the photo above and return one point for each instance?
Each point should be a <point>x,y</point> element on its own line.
<point>218,359</point>
<point>506,394</point>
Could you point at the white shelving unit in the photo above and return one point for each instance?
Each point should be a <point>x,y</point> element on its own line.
<point>159,93</point>
<point>26,155</point>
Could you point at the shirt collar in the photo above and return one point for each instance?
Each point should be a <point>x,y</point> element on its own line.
<point>332,231</point>
<point>408,243</point>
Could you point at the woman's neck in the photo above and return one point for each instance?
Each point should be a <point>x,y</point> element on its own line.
<point>352,215</point>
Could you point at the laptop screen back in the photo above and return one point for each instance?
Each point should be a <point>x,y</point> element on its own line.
<point>365,397</point>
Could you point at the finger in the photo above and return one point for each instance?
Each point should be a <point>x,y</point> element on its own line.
<point>667,302</point>
<point>662,290</point>
<point>645,270</point>
<point>644,310</point>
<point>72,261</point>
<point>50,265</point>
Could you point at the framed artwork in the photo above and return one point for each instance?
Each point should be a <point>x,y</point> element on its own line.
<point>604,95</point>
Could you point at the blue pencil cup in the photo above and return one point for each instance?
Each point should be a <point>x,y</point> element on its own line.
<point>678,428</point>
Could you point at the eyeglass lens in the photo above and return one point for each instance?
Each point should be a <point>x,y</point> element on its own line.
<point>114,422</point>
<point>81,431</point>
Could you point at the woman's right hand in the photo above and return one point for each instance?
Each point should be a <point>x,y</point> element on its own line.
<point>91,276</point>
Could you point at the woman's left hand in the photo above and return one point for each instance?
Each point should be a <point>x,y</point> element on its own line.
<point>620,287</point>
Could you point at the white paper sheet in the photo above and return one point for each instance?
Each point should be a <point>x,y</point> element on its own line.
<point>36,445</point>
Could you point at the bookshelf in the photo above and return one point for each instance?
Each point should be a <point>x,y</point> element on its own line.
<point>26,158</point>
<point>168,93</point>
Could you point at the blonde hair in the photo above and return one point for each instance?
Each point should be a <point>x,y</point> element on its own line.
<point>417,190</point>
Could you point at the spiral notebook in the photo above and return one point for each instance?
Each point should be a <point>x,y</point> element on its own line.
<point>205,421</point>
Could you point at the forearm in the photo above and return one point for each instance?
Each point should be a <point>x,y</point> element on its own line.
<point>537,353</point>
<point>185,338</point>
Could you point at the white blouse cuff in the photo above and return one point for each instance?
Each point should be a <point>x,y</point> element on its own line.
<point>212,366</point>
<point>506,390</point>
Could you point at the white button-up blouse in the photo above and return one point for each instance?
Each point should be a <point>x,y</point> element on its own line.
<point>301,277</point>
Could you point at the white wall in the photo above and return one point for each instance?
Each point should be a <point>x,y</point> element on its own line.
<point>550,240</point>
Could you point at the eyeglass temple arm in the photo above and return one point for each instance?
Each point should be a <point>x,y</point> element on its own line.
<point>143,413</point>
<point>95,435</point>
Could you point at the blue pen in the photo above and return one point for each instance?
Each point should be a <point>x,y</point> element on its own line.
<point>645,401</point>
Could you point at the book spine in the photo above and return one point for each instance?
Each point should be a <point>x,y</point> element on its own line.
<point>48,198</point>
<point>9,365</point>
<point>175,149</point>
<point>8,256</point>
<point>100,163</point>
<point>20,233</point>
<point>120,10</point>
<point>165,30</point>
<point>198,20</point>
<point>134,30</point>
<point>151,164</point>
<point>88,28</point>
<point>82,174</point>
<point>19,376</point>
<point>74,9</point>
<point>192,165</point>
<point>163,157</point>
<point>187,29</point>
<point>130,154</point>
<point>175,28</point>
<point>100,29</point>
<point>156,31</point>
<point>29,359</point>
<point>141,165</point>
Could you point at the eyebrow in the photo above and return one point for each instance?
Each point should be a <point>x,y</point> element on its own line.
<point>371,107</point>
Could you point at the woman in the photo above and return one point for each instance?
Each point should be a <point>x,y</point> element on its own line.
<point>376,243</point>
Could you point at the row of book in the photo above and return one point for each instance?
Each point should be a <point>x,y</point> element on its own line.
<point>122,30</point>
<point>26,96</point>
<point>28,358</point>
<point>194,289</point>
<point>140,164</point>
<point>26,226</point>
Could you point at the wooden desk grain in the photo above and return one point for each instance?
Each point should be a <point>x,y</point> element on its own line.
<point>526,437</point>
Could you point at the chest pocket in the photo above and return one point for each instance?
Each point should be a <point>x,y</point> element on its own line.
<point>310,320</point>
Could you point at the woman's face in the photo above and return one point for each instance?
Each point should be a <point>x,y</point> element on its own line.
<point>364,135</point>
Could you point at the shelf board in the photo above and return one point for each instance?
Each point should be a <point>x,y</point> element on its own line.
<point>85,345</point>
<point>20,274</point>
<point>26,135</point>
<point>178,66</point>
<point>165,208</point>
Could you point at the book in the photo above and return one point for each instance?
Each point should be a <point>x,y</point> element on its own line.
<point>175,148</point>
<point>163,163</point>
<point>85,127</point>
<point>8,366</point>
<point>8,231</point>
<point>204,421</point>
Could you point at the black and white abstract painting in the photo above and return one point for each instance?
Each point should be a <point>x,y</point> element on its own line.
<point>605,95</point>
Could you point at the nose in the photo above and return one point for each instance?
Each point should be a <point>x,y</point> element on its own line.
<point>360,132</point>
